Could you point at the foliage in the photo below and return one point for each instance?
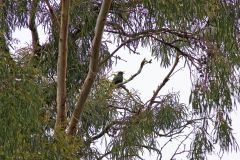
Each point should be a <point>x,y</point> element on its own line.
<point>202,33</point>
<point>20,108</point>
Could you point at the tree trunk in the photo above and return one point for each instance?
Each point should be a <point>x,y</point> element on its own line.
<point>62,67</point>
<point>93,67</point>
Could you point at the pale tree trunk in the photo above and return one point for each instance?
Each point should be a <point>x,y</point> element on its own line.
<point>93,67</point>
<point>62,67</point>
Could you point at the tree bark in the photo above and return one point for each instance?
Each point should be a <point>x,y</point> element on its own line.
<point>62,67</point>
<point>93,67</point>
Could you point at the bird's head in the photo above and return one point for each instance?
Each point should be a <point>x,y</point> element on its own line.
<point>120,73</point>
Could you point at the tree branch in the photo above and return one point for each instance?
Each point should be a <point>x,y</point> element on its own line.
<point>104,155</point>
<point>149,148</point>
<point>163,83</point>
<point>33,28</point>
<point>123,44</point>
<point>175,47</point>
<point>53,15</point>
<point>105,130</point>
<point>130,94</point>
<point>176,153</point>
<point>121,108</point>
<point>144,61</point>
<point>177,33</point>
<point>93,67</point>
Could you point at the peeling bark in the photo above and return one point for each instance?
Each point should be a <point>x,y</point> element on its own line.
<point>62,67</point>
<point>93,67</point>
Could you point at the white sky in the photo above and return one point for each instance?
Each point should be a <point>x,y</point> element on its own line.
<point>150,77</point>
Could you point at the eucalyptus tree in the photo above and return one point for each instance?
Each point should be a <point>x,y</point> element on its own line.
<point>56,102</point>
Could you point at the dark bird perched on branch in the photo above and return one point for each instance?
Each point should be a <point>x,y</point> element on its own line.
<point>118,78</point>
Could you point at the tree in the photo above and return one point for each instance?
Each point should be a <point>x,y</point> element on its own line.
<point>203,34</point>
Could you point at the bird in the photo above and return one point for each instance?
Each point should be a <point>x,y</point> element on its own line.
<point>118,78</point>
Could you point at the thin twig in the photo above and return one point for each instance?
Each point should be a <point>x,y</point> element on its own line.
<point>123,44</point>
<point>175,153</point>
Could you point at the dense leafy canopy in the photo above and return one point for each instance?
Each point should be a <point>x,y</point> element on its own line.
<point>202,33</point>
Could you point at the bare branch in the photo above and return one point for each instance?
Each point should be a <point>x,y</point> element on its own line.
<point>93,67</point>
<point>144,61</point>
<point>176,153</point>
<point>163,83</point>
<point>53,15</point>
